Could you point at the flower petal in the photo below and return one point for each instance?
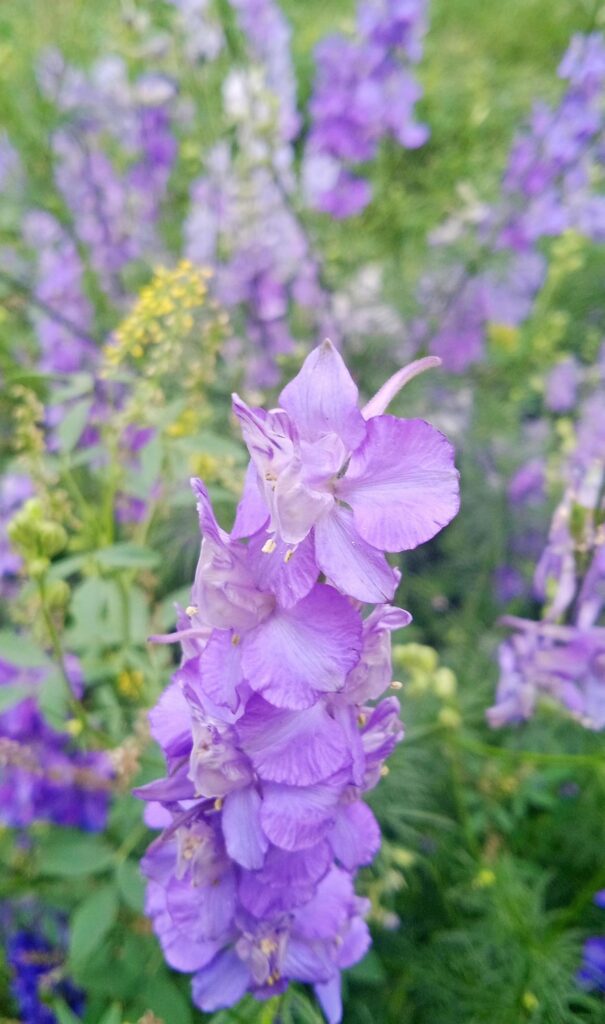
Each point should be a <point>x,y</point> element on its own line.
<point>352,565</point>
<point>220,669</point>
<point>355,837</point>
<point>287,572</point>
<point>204,912</point>
<point>221,984</point>
<point>294,747</point>
<point>245,841</point>
<point>293,818</point>
<point>170,722</point>
<point>383,398</point>
<point>305,961</point>
<point>252,512</point>
<point>330,999</point>
<point>401,483</point>
<point>305,650</point>
<point>322,398</point>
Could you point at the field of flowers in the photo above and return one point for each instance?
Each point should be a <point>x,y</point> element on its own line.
<point>302,512</point>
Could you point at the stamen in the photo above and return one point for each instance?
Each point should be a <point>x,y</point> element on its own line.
<point>288,555</point>
<point>396,685</point>
<point>235,639</point>
<point>269,546</point>
<point>384,771</point>
<point>190,611</point>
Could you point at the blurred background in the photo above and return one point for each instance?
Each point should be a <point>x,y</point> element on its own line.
<point>193,193</point>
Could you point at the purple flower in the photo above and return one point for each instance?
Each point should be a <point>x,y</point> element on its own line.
<point>37,974</point>
<point>355,482</point>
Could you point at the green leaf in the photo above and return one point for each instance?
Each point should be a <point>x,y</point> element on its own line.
<point>127,556</point>
<point>113,1015</point>
<point>66,853</point>
<point>91,923</point>
<point>53,699</point>
<point>11,695</point>
<point>20,650</point>
<point>303,1012</point>
<point>131,885</point>
<point>163,997</point>
<point>73,422</point>
<point>63,1014</point>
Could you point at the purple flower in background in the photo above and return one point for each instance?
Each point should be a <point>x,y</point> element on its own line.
<point>276,723</point>
<point>592,971</point>
<point>37,975</point>
<point>364,92</point>
<point>42,776</point>
<point>562,386</point>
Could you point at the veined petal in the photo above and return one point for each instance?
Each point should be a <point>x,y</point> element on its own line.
<point>245,841</point>
<point>222,983</point>
<point>170,722</point>
<point>305,961</point>
<point>305,650</point>
<point>294,818</point>
<point>322,398</point>
<point>295,747</point>
<point>204,912</point>
<point>252,511</point>
<point>383,398</point>
<point>220,670</point>
<point>352,565</point>
<point>355,837</point>
<point>288,572</point>
<point>401,483</point>
<point>297,504</point>
<point>330,999</point>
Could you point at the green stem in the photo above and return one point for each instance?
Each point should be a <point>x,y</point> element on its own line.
<point>539,757</point>
<point>73,704</point>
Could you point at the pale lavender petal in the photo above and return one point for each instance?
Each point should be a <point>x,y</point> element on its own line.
<point>305,962</point>
<point>295,747</point>
<point>252,512</point>
<point>304,650</point>
<point>330,999</point>
<point>322,398</point>
<point>204,912</point>
<point>288,572</point>
<point>170,722</point>
<point>356,943</point>
<point>221,670</point>
<point>221,984</point>
<point>294,819</point>
<point>355,837</point>
<point>244,838</point>
<point>383,398</point>
<point>401,484</point>
<point>327,913</point>
<point>349,562</point>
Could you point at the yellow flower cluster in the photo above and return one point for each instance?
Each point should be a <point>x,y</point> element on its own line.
<point>171,340</point>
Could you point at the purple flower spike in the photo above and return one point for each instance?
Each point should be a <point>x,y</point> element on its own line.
<point>276,723</point>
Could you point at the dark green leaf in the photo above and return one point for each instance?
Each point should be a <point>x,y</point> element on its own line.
<point>91,923</point>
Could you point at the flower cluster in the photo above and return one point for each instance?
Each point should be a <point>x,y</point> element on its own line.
<point>592,971</point>
<point>37,969</point>
<point>364,92</point>
<point>269,728</point>
<point>42,776</point>
<point>552,185</point>
<point>563,655</point>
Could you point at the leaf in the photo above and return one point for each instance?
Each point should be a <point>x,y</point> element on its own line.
<point>113,1015</point>
<point>131,885</point>
<point>68,566</point>
<point>127,556</point>
<point>11,695</point>
<point>73,422</point>
<point>164,998</point>
<point>91,923</point>
<point>53,699</point>
<point>66,853</point>
<point>63,1014</point>
<point>303,1012</point>
<point>20,650</point>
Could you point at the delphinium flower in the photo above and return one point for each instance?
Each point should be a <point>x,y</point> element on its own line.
<point>242,222</point>
<point>276,723</point>
<point>592,971</point>
<point>37,968</point>
<point>202,33</point>
<point>64,339</point>
<point>43,776</point>
<point>562,656</point>
<point>364,91</point>
<point>114,210</point>
<point>552,184</point>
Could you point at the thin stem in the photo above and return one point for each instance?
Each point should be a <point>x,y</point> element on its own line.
<point>540,757</point>
<point>74,704</point>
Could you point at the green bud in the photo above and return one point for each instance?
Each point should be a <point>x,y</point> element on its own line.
<point>57,594</point>
<point>52,537</point>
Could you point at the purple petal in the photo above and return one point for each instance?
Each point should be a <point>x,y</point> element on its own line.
<point>252,512</point>
<point>244,838</point>
<point>179,950</point>
<point>356,568</point>
<point>294,819</point>
<point>295,747</point>
<point>326,915</point>
<point>330,999</point>
<point>286,880</point>
<point>355,837</point>
<point>305,962</point>
<point>221,984</point>
<point>401,483</point>
<point>170,722</point>
<point>220,669</point>
<point>322,398</point>
<point>203,912</point>
<point>287,572</point>
<point>356,943</point>
<point>304,650</point>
